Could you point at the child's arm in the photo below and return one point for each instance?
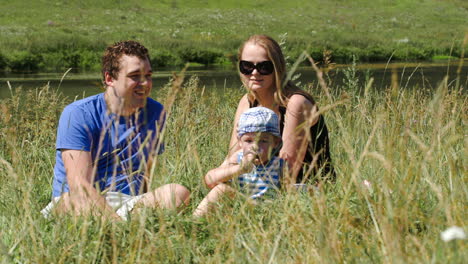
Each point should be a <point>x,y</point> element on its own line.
<point>230,168</point>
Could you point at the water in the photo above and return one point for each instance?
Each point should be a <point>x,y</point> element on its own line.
<point>414,75</point>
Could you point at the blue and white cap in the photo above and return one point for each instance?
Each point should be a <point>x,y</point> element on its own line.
<point>258,119</point>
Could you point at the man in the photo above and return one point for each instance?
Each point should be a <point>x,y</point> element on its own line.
<point>105,143</point>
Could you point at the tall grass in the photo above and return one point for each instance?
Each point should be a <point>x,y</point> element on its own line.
<point>409,144</point>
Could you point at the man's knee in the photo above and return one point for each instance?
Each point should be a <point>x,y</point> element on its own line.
<point>168,196</point>
<point>181,192</point>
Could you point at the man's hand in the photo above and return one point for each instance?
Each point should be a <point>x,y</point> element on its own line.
<point>83,197</point>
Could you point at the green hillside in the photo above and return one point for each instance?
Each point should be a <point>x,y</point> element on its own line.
<point>44,35</point>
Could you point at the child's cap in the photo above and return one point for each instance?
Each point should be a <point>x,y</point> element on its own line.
<point>258,119</point>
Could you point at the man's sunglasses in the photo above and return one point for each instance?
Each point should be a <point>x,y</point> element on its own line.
<point>264,67</point>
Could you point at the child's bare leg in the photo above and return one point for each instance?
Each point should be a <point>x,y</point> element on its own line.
<point>212,197</point>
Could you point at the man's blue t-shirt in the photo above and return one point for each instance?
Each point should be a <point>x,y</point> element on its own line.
<point>119,146</point>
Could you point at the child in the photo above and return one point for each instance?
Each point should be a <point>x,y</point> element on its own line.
<point>253,167</point>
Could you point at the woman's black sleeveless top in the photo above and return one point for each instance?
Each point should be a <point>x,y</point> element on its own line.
<point>320,143</point>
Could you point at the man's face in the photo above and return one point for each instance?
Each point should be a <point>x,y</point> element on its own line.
<point>259,144</point>
<point>133,84</point>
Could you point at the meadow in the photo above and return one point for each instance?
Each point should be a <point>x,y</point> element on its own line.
<point>54,36</point>
<point>400,155</point>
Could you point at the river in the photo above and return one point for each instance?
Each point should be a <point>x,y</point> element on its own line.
<point>410,76</point>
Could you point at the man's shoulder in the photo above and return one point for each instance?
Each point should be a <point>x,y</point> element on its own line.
<point>154,109</point>
<point>153,105</point>
<point>80,123</point>
<point>90,102</point>
<point>84,111</point>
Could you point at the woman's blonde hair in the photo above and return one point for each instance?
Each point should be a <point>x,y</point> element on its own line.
<point>274,54</point>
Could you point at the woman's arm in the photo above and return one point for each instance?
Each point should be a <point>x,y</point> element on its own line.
<point>241,108</point>
<point>297,121</point>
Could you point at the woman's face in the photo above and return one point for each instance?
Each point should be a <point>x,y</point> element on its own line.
<point>255,81</point>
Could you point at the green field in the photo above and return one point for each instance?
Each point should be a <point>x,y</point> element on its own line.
<point>410,144</point>
<point>54,36</point>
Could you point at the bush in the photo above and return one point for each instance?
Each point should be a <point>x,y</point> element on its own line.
<point>88,60</point>
<point>200,56</point>
<point>164,58</point>
<point>345,54</point>
<point>316,53</point>
<point>24,61</point>
<point>376,53</point>
<point>3,62</point>
<point>76,59</point>
<point>409,53</point>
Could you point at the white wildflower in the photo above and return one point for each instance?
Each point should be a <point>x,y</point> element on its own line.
<point>367,183</point>
<point>403,40</point>
<point>452,233</point>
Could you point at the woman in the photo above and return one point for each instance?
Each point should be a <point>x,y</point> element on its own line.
<point>262,69</point>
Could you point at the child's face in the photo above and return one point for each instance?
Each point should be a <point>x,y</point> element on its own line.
<point>259,144</point>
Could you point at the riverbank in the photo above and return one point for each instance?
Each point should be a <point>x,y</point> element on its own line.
<point>40,36</point>
<point>410,76</point>
<point>400,158</point>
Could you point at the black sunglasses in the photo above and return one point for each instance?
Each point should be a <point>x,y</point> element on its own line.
<point>264,67</point>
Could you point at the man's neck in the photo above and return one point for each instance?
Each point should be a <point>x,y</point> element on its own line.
<point>116,105</point>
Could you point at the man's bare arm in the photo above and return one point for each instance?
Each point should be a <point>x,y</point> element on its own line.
<point>83,197</point>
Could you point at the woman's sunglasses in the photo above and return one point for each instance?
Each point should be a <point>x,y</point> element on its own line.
<point>264,67</point>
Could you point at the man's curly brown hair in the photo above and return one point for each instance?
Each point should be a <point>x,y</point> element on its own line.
<point>113,53</point>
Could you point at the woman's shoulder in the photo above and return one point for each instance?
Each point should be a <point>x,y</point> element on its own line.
<point>244,99</point>
<point>297,96</point>
<point>298,103</point>
<point>244,103</point>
